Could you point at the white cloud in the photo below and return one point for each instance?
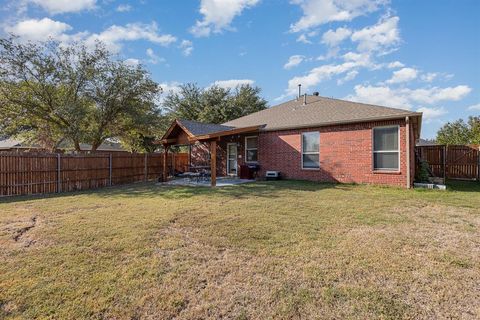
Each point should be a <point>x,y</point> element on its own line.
<point>168,88</point>
<point>474,107</point>
<point>432,113</point>
<point>349,77</point>
<point>37,30</point>
<point>123,8</point>
<point>435,94</point>
<point>294,61</point>
<point>115,35</point>
<point>132,62</point>
<point>319,74</point>
<point>403,75</point>
<point>218,15</point>
<point>404,97</point>
<point>333,38</point>
<point>429,77</point>
<point>352,61</point>
<point>382,95</point>
<point>395,64</point>
<point>303,39</point>
<point>187,47</point>
<point>318,12</point>
<point>63,6</point>
<point>363,58</point>
<point>381,37</point>
<point>154,59</point>
<point>233,83</point>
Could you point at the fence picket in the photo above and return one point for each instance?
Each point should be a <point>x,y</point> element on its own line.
<point>39,173</point>
<point>452,162</point>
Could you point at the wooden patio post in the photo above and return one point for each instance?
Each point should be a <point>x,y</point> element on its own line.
<point>213,162</point>
<point>165,163</point>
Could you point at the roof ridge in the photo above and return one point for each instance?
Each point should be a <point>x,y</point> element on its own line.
<point>365,104</point>
<point>337,99</point>
<point>319,110</point>
<point>203,123</point>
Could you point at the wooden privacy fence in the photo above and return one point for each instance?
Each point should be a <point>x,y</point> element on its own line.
<point>451,162</point>
<point>35,173</point>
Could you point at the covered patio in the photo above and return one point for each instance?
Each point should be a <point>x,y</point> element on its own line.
<point>207,139</point>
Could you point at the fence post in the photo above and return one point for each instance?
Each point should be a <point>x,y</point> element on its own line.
<point>110,170</point>
<point>478,164</point>
<point>444,164</point>
<point>59,178</point>
<point>146,167</point>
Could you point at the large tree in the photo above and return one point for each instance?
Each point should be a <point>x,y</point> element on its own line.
<point>460,132</point>
<point>213,104</point>
<point>123,99</point>
<point>41,85</point>
<point>54,93</point>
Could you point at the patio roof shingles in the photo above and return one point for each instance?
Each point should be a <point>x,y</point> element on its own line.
<point>200,128</point>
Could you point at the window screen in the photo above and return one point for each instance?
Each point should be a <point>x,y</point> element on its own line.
<point>311,150</point>
<point>385,148</point>
<point>251,149</point>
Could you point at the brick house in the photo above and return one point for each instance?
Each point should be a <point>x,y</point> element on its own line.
<point>309,138</point>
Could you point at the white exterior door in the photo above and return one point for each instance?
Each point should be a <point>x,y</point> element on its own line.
<point>232,159</point>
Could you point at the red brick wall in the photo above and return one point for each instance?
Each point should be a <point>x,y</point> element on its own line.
<point>201,156</point>
<point>345,154</point>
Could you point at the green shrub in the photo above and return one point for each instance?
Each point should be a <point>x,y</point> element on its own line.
<point>422,174</point>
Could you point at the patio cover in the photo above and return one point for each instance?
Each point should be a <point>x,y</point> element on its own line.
<point>187,132</point>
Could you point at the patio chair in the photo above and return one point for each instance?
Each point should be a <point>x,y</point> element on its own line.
<point>205,175</point>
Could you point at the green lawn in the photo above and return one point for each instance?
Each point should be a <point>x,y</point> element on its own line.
<point>277,250</point>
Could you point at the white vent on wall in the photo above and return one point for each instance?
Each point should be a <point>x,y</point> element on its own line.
<point>272,174</point>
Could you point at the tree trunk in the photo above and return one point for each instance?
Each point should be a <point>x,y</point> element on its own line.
<point>77,146</point>
<point>95,145</point>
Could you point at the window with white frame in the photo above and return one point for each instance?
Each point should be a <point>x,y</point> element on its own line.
<point>311,150</point>
<point>386,150</point>
<point>251,149</point>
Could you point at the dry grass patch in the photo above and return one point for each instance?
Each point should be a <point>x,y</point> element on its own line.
<point>279,250</point>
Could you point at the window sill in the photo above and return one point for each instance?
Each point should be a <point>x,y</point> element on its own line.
<point>311,169</point>
<point>386,172</point>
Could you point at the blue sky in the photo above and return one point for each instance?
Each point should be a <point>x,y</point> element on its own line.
<point>418,55</point>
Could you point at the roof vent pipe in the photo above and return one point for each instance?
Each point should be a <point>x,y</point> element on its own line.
<point>299,92</point>
<point>305,99</point>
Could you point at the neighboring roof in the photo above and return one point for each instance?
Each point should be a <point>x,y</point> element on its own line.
<point>317,112</point>
<point>199,128</point>
<point>15,144</point>
<point>9,143</point>
<point>19,144</point>
<point>426,142</point>
<point>105,146</point>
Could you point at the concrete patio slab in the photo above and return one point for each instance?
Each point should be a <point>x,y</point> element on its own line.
<point>221,182</point>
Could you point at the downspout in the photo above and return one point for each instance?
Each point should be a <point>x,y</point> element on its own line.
<point>407,122</point>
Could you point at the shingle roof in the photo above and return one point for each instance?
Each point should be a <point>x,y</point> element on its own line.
<point>9,143</point>
<point>200,128</point>
<point>318,111</point>
<point>20,144</point>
